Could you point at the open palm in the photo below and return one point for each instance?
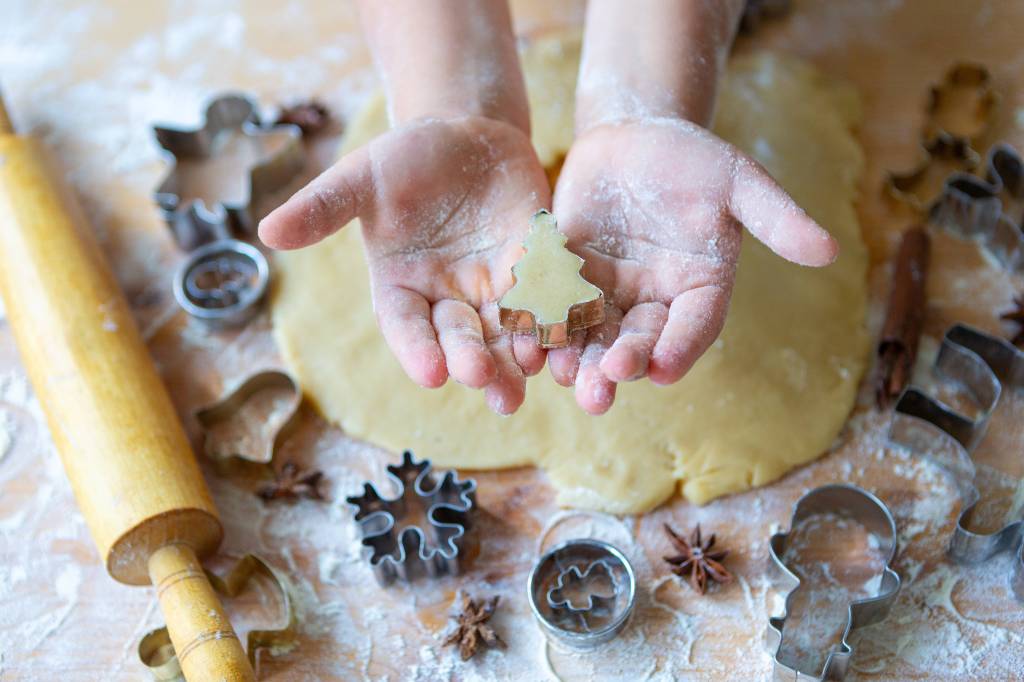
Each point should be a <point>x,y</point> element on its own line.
<point>656,209</point>
<point>444,206</point>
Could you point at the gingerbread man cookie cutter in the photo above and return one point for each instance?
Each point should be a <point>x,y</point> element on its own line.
<point>846,501</point>
<point>280,157</point>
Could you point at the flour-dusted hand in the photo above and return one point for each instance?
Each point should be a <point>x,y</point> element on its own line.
<point>444,198</point>
<point>656,208</point>
<point>444,206</point>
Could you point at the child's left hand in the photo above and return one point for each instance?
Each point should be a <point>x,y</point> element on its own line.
<point>655,208</point>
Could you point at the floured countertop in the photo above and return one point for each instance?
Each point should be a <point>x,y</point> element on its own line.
<point>90,78</point>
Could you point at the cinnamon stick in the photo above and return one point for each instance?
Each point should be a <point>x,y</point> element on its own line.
<point>904,319</point>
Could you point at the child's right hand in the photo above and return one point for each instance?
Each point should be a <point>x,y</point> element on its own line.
<point>444,205</point>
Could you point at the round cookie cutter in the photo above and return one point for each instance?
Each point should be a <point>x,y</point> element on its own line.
<point>596,618</point>
<point>222,283</point>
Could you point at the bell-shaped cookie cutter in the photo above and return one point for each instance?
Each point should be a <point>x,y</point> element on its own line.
<point>192,222</point>
<point>850,502</point>
<point>984,366</point>
<point>397,550</point>
<point>560,619</point>
<point>230,405</point>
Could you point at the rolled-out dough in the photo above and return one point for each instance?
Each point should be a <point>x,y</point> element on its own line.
<point>771,393</point>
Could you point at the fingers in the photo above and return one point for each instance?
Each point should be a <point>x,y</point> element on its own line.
<point>695,319</point>
<point>323,206</point>
<point>630,355</point>
<point>565,362</point>
<point>461,337</point>
<point>507,390</point>
<point>775,219</point>
<point>528,353</point>
<point>404,319</point>
<point>595,392</point>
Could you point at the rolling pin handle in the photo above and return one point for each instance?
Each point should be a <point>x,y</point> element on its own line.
<point>204,641</point>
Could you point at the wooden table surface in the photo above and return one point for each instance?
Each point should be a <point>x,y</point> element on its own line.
<point>90,77</point>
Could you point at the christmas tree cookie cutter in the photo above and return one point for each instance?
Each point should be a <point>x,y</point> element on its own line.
<point>845,501</point>
<point>549,297</point>
<point>157,654</point>
<point>983,366</point>
<point>588,623</point>
<point>395,546</point>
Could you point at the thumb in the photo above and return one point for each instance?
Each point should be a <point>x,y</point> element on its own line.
<point>771,215</point>
<point>322,207</point>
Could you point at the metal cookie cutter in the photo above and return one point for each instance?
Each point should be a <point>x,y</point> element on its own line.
<point>222,283</point>
<point>239,427</point>
<point>279,157</point>
<point>920,187</point>
<point>569,571</point>
<point>983,366</point>
<point>851,502</point>
<point>156,651</point>
<point>959,111</point>
<point>963,104</point>
<point>976,208</point>
<point>395,546</point>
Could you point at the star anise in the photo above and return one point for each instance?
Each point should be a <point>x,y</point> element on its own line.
<point>311,117</point>
<point>291,482</point>
<point>1016,315</point>
<point>697,559</point>
<point>471,626</point>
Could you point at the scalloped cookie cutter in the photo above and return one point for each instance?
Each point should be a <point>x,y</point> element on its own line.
<point>984,366</point>
<point>861,506</point>
<point>562,621</point>
<point>222,283</point>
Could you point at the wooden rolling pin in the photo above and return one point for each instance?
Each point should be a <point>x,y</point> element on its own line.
<point>124,450</point>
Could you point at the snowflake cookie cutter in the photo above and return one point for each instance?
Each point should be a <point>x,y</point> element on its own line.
<point>395,546</point>
<point>984,366</point>
<point>280,157</point>
<point>602,616</point>
<point>222,283</point>
<point>861,506</point>
<point>975,208</point>
<point>157,654</point>
<point>521,313</point>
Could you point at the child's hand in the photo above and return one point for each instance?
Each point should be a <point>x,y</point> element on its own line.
<point>444,205</point>
<point>655,208</point>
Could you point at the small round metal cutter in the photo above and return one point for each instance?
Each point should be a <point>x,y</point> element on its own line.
<point>582,593</point>
<point>222,283</point>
